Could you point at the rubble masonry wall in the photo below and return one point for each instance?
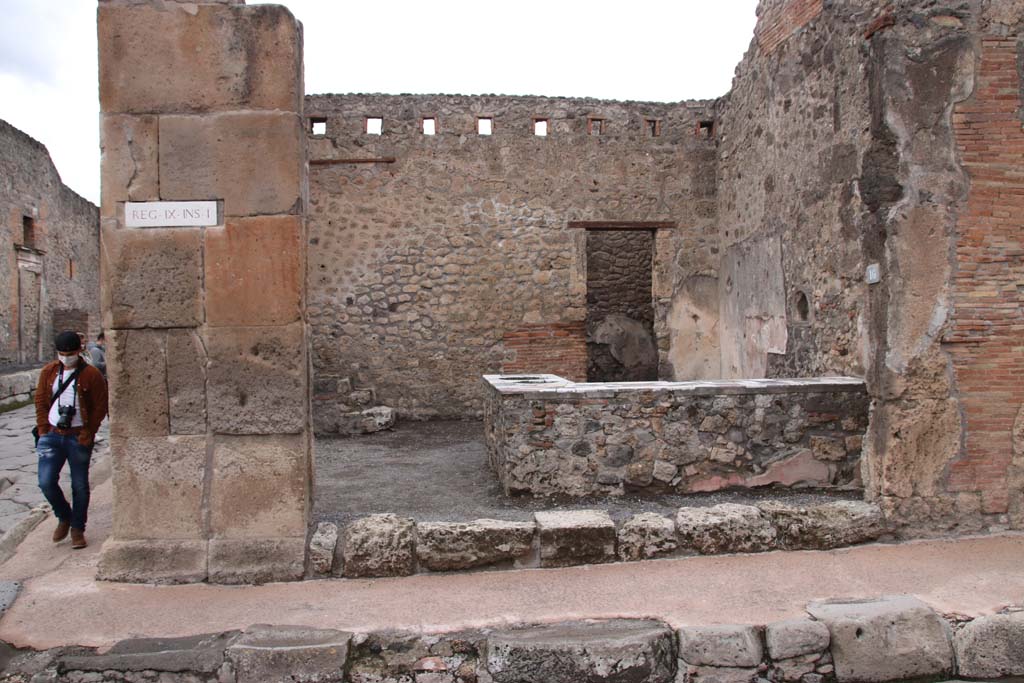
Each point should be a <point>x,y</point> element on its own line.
<point>857,134</point>
<point>434,259</point>
<point>59,272</point>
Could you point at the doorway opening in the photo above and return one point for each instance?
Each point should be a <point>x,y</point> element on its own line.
<point>620,311</point>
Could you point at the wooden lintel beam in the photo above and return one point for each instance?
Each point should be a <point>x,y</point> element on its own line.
<point>622,225</point>
<point>364,160</point>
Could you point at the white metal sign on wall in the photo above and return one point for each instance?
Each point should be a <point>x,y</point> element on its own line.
<point>170,214</point>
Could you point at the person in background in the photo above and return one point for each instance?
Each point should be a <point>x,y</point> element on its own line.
<point>98,354</point>
<point>71,402</point>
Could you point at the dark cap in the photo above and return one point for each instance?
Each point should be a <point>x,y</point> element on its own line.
<point>68,342</point>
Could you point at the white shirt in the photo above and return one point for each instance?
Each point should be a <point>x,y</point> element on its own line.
<point>66,399</point>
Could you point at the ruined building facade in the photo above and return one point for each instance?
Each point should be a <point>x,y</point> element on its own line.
<point>49,272</point>
<point>851,207</point>
<point>857,137</point>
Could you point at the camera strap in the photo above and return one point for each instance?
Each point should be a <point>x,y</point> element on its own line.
<point>64,385</point>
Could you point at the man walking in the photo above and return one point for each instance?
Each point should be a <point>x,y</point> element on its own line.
<point>71,402</point>
<point>98,354</point>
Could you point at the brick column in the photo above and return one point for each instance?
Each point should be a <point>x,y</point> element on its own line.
<point>210,429</point>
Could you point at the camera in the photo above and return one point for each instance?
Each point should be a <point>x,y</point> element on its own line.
<point>66,413</point>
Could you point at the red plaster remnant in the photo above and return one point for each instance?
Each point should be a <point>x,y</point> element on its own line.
<point>988,320</point>
<point>883,21</point>
<point>555,348</point>
<point>779,23</point>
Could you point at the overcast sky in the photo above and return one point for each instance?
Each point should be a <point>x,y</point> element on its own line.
<point>658,50</point>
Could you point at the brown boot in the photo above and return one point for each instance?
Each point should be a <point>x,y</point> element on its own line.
<point>78,539</point>
<point>61,532</point>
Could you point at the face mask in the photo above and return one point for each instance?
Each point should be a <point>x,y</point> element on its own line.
<point>69,361</point>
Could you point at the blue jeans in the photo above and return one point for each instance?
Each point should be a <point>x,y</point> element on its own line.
<point>54,450</point>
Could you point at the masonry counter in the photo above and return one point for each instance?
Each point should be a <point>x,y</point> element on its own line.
<point>547,435</point>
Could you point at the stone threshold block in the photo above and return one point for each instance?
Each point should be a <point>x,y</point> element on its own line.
<point>645,536</point>
<point>888,639</point>
<point>322,545</point>
<point>289,653</point>
<point>637,651</point>
<point>826,526</point>
<point>725,528</point>
<point>575,537</point>
<point>254,560</point>
<point>446,546</point>
<point>379,545</point>
<point>991,647</point>
<point>201,654</point>
<point>153,561</point>
<point>724,646</point>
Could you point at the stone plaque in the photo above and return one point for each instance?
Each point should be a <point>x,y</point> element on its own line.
<point>170,214</point>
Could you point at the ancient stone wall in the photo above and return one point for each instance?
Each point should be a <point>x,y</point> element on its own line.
<point>208,356</point>
<point>49,272</point>
<point>547,436</point>
<point>429,252</point>
<point>893,250</point>
<point>791,132</point>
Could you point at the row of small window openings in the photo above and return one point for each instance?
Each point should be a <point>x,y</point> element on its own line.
<point>485,126</point>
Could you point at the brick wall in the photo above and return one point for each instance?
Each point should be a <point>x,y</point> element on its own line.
<point>779,21</point>
<point>557,349</point>
<point>985,339</point>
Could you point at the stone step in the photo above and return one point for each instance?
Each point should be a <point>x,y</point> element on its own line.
<point>618,650</point>
<point>880,640</point>
<point>390,545</point>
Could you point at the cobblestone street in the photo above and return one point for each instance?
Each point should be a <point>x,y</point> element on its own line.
<point>19,489</point>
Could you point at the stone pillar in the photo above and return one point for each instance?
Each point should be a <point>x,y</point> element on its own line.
<point>209,379</point>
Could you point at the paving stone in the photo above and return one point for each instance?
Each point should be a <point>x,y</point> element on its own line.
<point>634,651</point>
<point>888,639</point>
<point>646,535</point>
<point>991,647</point>
<point>10,507</point>
<point>200,654</point>
<point>8,593</point>
<point>575,537</point>
<point>289,653</point>
<point>322,546</point>
<point>379,545</point>
<point>829,525</point>
<point>724,528</point>
<point>444,546</point>
<point>715,674</point>
<point>728,646</point>
<point>795,637</point>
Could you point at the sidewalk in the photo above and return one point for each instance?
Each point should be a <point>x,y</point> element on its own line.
<point>61,602</point>
<point>19,465</point>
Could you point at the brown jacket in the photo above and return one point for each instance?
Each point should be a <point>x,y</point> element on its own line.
<point>92,399</point>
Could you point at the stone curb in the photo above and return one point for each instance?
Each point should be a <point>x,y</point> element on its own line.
<point>10,541</point>
<point>390,545</point>
<point>889,639</point>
